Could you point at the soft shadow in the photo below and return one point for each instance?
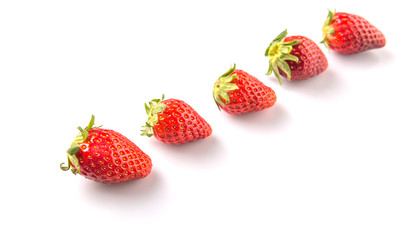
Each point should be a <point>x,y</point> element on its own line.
<point>361,61</point>
<point>133,197</point>
<point>271,119</point>
<point>386,56</point>
<point>200,151</point>
<point>327,84</point>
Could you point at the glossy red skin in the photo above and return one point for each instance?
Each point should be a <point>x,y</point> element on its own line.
<point>107,156</point>
<point>311,59</point>
<point>251,95</point>
<point>353,34</point>
<point>179,123</point>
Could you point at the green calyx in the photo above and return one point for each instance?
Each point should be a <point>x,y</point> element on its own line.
<point>326,29</point>
<point>278,52</point>
<point>75,147</point>
<point>154,107</point>
<point>223,85</point>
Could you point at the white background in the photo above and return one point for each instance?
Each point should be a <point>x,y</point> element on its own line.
<point>320,164</point>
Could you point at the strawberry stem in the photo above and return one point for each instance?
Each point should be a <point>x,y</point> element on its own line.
<point>223,85</point>
<point>326,29</point>
<point>154,107</point>
<point>75,147</point>
<point>278,52</point>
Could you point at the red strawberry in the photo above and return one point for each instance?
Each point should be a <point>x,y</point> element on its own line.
<point>295,57</point>
<point>238,92</point>
<point>173,121</point>
<point>106,156</point>
<point>349,34</point>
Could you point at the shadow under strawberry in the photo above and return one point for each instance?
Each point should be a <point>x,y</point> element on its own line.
<point>270,120</point>
<point>133,197</point>
<point>202,154</point>
<point>357,62</point>
<point>327,86</point>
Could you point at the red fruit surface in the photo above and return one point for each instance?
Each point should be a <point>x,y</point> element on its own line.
<point>178,123</point>
<point>295,58</point>
<point>350,34</point>
<point>107,156</point>
<point>250,94</point>
<point>311,59</point>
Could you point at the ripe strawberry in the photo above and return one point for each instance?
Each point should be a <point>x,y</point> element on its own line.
<point>238,92</point>
<point>106,156</point>
<point>295,57</point>
<point>173,121</point>
<point>350,34</point>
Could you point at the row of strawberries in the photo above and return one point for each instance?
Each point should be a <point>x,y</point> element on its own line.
<point>107,156</point>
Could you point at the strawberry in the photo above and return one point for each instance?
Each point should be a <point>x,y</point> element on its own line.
<point>295,57</point>
<point>173,121</point>
<point>350,34</point>
<point>106,156</point>
<point>239,92</point>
